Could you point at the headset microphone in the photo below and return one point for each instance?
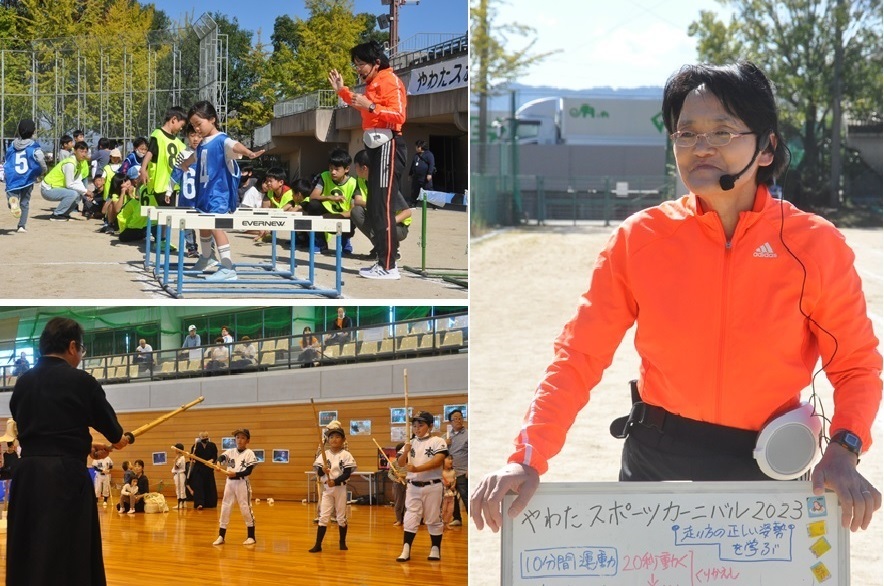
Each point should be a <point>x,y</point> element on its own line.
<point>727,182</point>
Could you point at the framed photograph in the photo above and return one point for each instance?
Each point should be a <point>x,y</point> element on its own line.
<point>326,417</point>
<point>437,422</point>
<point>259,454</point>
<point>384,461</point>
<point>280,456</point>
<point>446,411</point>
<point>159,458</point>
<point>397,434</point>
<point>228,443</point>
<point>360,427</point>
<point>397,414</point>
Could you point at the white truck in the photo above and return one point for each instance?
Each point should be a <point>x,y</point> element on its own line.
<point>592,120</point>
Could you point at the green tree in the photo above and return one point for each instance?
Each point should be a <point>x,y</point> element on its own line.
<point>794,42</point>
<point>499,53</point>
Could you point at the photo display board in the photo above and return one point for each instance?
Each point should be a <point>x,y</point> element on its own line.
<point>676,534</point>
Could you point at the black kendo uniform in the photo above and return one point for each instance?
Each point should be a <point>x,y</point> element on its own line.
<point>202,479</point>
<point>53,534</point>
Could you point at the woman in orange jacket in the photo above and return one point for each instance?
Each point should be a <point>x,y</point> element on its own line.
<point>735,296</point>
<point>382,108</point>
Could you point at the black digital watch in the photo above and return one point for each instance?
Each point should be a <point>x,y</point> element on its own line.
<point>850,441</point>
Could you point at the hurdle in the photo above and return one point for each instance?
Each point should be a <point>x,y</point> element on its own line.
<point>259,278</point>
<point>455,276</point>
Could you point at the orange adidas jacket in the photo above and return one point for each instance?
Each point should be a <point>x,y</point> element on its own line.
<point>387,93</point>
<point>719,332</point>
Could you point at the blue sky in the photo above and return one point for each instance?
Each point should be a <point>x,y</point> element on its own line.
<point>430,16</point>
<point>629,43</point>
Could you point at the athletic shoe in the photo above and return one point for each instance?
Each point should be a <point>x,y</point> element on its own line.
<point>204,262</point>
<point>434,554</point>
<point>219,541</point>
<point>397,524</point>
<point>455,523</point>
<point>21,230</point>
<point>131,512</point>
<point>14,207</point>
<point>193,254</point>
<point>222,274</point>
<point>406,553</point>
<point>249,541</point>
<point>104,504</point>
<point>104,229</point>
<point>376,272</point>
<point>54,218</point>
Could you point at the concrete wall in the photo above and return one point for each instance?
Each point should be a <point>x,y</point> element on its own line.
<point>426,376</point>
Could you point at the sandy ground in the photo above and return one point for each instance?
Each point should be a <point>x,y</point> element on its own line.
<point>70,260</point>
<point>525,286</point>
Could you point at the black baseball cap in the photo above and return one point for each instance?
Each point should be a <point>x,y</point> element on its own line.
<point>243,431</point>
<point>424,416</point>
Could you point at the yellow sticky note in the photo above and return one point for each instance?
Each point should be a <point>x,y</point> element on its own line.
<point>821,572</point>
<point>820,546</point>
<point>816,529</point>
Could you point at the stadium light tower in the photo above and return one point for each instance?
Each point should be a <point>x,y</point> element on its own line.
<point>394,21</point>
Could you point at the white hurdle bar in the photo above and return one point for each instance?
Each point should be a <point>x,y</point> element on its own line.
<point>273,221</point>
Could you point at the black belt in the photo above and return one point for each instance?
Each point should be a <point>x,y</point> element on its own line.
<point>424,483</point>
<point>649,424</point>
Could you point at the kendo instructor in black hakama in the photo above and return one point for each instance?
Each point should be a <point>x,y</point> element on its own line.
<point>53,534</point>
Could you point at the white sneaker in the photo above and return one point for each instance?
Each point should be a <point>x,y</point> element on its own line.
<point>131,512</point>
<point>222,274</point>
<point>203,263</point>
<point>219,541</point>
<point>376,272</point>
<point>249,541</point>
<point>104,504</point>
<point>455,523</point>
<point>21,230</point>
<point>14,207</point>
<point>434,554</point>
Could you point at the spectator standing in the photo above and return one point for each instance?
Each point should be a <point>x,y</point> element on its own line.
<point>192,341</point>
<point>21,365</point>
<point>458,446</point>
<point>421,171</point>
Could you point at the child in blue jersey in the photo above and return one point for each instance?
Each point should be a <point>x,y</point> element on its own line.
<point>134,159</point>
<point>186,180</point>
<point>25,163</point>
<point>216,185</point>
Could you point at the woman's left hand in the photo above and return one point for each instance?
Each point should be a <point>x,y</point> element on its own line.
<point>859,499</point>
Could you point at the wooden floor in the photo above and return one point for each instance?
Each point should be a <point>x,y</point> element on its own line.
<point>176,548</point>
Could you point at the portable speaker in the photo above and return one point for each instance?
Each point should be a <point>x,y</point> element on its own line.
<point>789,445</point>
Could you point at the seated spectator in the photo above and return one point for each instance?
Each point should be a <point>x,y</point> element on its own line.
<point>217,357</point>
<point>142,488</point>
<point>127,497</point>
<point>21,365</point>
<point>245,354</point>
<point>341,328</point>
<point>144,354</point>
<point>310,349</point>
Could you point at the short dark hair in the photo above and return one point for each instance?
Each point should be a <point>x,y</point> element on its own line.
<point>303,187</point>
<point>65,138</point>
<point>103,143</point>
<point>175,112</point>
<point>744,92</point>
<point>58,334</point>
<point>139,462</point>
<point>137,142</point>
<point>420,143</point>
<point>370,52</point>
<point>275,173</point>
<point>79,132</point>
<point>205,110</point>
<point>339,158</point>
<point>452,412</point>
<point>361,158</point>
<point>81,145</point>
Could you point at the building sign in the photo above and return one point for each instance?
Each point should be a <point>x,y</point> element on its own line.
<point>439,77</point>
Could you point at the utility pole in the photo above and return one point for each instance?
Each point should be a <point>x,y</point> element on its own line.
<point>835,172</point>
<point>394,21</point>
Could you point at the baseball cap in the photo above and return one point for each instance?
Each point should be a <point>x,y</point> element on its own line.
<point>243,431</point>
<point>424,416</point>
<point>116,153</point>
<point>133,172</point>
<point>191,327</point>
<point>336,430</point>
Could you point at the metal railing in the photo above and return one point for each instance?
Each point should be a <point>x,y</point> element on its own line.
<point>393,341</point>
<point>458,45</point>
<point>318,100</point>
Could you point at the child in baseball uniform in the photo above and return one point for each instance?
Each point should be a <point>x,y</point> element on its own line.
<point>102,467</point>
<point>422,456</point>
<point>334,481</point>
<point>179,476</point>
<point>240,462</point>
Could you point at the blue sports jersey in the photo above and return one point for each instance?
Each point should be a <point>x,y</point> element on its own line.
<point>216,185</point>
<point>187,181</point>
<point>21,167</point>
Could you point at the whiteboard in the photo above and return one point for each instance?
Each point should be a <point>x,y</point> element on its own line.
<point>676,534</point>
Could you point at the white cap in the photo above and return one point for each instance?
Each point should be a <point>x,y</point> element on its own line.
<point>192,327</point>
